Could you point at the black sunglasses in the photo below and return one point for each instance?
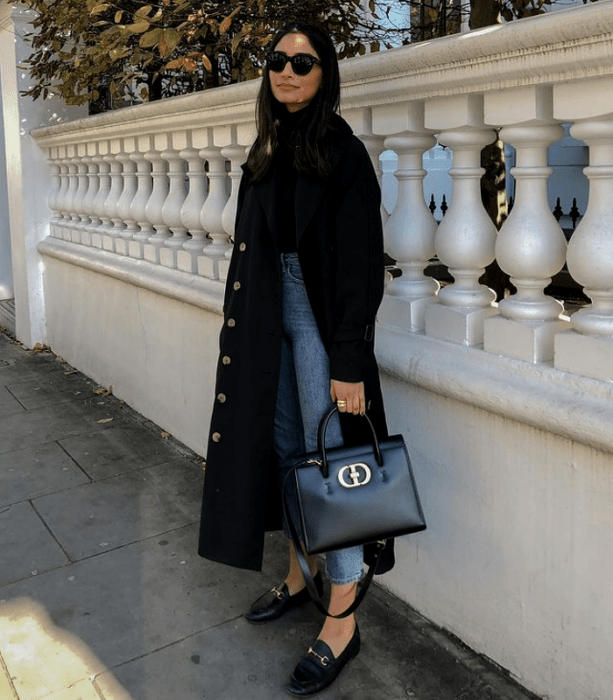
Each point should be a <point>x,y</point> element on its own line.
<point>302,63</point>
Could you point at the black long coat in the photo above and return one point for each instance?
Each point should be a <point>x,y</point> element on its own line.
<point>340,248</point>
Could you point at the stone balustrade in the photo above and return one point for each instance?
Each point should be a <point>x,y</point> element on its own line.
<point>159,182</point>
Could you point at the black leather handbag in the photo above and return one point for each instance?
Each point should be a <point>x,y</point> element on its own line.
<point>346,496</point>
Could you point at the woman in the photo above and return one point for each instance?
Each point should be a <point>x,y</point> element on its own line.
<point>304,286</point>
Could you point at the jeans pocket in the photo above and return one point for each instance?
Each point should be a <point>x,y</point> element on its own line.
<point>294,271</point>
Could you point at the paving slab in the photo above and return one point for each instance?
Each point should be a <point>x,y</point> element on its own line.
<point>38,427</point>
<point>27,548</point>
<point>35,471</point>
<point>48,389</point>
<point>140,598</point>
<point>10,349</point>
<point>104,515</point>
<point>117,450</point>
<point>8,403</point>
<point>256,661</point>
<point>41,658</point>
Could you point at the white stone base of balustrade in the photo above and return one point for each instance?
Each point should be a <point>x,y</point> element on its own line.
<point>97,240</point>
<point>108,242</point>
<point>531,341</point>
<point>75,236</point>
<point>209,267</point>
<point>405,312</point>
<point>135,250</point>
<point>585,355</point>
<point>66,234</point>
<point>224,266</point>
<point>86,237</point>
<point>122,246</point>
<point>187,261</point>
<point>457,324</point>
<point>151,253</point>
<point>168,258</point>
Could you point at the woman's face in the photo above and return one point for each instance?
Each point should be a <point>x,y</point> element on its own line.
<point>295,91</point>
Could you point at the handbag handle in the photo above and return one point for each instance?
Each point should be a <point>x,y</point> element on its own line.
<point>321,440</point>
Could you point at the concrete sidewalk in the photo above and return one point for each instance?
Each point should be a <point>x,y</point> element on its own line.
<point>102,594</point>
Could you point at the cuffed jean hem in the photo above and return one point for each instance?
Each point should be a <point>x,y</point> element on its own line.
<point>342,582</point>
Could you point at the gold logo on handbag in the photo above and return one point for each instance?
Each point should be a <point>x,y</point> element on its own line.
<point>359,474</point>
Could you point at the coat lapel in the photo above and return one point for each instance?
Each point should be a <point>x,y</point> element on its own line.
<point>309,192</point>
<point>266,193</point>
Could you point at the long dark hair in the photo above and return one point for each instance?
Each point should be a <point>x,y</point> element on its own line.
<point>311,157</point>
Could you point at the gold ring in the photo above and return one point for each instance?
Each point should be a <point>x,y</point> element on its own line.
<point>341,402</point>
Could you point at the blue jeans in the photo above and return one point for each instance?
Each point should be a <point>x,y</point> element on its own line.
<point>304,397</point>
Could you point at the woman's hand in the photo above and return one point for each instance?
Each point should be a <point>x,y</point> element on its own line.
<point>348,396</point>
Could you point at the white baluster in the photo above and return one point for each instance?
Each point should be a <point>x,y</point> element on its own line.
<point>111,222</point>
<point>128,227</point>
<point>70,218</point>
<point>409,236</point>
<point>171,211</point>
<point>190,213</point>
<point>80,218</point>
<point>153,210</point>
<point>54,192</point>
<point>236,155</point>
<point>139,205</point>
<point>212,212</point>
<point>464,241</point>
<point>88,202</point>
<point>588,348</point>
<point>62,197</point>
<point>104,187</point>
<point>530,247</point>
<point>362,121</point>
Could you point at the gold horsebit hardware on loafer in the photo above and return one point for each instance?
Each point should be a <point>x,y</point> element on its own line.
<point>323,659</point>
<point>277,592</point>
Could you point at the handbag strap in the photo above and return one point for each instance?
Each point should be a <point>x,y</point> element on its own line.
<point>308,578</point>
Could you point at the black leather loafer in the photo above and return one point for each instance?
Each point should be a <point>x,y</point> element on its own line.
<point>318,668</point>
<point>278,601</point>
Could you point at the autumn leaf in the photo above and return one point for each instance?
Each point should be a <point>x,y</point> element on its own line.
<point>97,9</point>
<point>151,38</point>
<point>138,27</point>
<point>227,22</point>
<point>143,11</point>
<point>206,62</point>
<point>168,42</point>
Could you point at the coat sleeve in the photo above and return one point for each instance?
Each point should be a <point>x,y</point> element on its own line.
<point>359,273</point>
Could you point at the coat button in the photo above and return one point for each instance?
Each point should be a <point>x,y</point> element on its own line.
<point>221,398</point>
<point>237,286</point>
<point>226,360</point>
<point>242,247</point>
<point>216,437</point>
<point>231,323</point>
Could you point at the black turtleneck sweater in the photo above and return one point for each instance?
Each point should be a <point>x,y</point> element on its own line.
<point>287,176</point>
